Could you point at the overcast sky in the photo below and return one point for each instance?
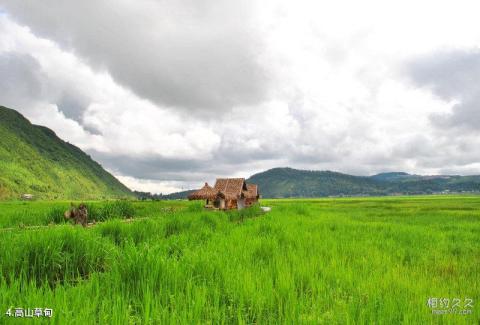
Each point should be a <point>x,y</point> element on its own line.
<point>169,94</point>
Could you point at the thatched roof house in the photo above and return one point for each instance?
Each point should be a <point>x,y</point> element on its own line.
<point>205,193</point>
<point>228,193</point>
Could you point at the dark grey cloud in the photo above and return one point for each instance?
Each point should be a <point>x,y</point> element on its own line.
<point>452,75</point>
<point>24,84</point>
<point>192,54</point>
<point>235,153</point>
<point>154,167</point>
<point>73,106</point>
<point>21,79</point>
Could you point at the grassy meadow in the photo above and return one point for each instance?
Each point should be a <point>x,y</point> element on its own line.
<point>315,261</point>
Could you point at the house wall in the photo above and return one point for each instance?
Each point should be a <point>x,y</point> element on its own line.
<point>250,201</point>
<point>240,204</point>
<point>231,204</point>
<point>219,203</point>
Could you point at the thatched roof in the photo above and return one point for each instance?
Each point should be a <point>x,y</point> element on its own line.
<point>231,187</point>
<point>227,188</point>
<point>252,191</point>
<point>205,193</point>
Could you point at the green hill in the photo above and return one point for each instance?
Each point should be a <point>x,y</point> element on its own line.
<point>288,182</point>
<point>34,160</point>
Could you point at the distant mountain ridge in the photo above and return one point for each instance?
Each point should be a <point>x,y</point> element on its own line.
<point>391,176</point>
<point>288,182</point>
<point>34,160</point>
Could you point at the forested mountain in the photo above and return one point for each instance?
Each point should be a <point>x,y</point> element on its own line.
<point>34,160</point>
<point>288,182</point>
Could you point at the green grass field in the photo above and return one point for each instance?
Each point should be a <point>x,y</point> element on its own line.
<point>317,261</point>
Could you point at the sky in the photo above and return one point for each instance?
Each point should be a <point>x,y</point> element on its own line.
<point>169,94</point>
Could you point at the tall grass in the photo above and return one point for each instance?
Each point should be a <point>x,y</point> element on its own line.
<point>14,214</point>
<point>110,210</point>
<point>317,261</point>
<point>50,258</point>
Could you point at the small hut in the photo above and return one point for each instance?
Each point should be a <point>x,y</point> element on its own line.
<point>27,197</point>
<point>206,193</point>
<point>228,193</point>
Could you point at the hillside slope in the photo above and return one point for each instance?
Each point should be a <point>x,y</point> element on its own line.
<point>288,182</point>
<point>34,160</point>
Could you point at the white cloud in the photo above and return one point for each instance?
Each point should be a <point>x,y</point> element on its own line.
<point>171,98</point>
<point>152,186</point>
